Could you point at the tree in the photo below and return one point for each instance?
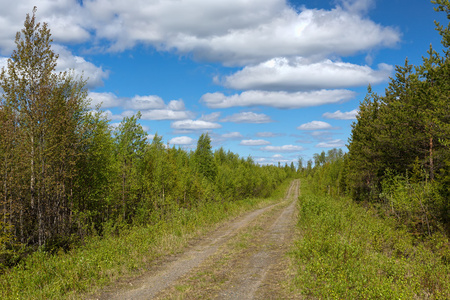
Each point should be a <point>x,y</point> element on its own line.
<point>204,158</point>
<point>363,154</point>
<point>130,145</point>
<point>44,111</point>
<point>97,170</point>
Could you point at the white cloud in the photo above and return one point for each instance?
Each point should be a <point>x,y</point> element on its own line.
<point>276,99</point>
<point>66,18</point>
<point>321,135</point>
<point>165,114</point>
<point>254,142</point>
<point>233,32</point>
<point>110,116</point>
<point>181,140</point>
<point>331,144</point>
<point>212,117</point>
<point>176,105</point>
<point>315,125</point>
<point>247,117</point>
<point>194,125</point>
<point>300,74</point>
<point>285,148</point>
<point>232,135</point>
<point>76,66</point>
<point>358,6</point>
<point>145,102</point>
<point>151,107</point>
<point>106,100</point>
<point>68,62</point>
<point>268,134</point>
<point>286,33</point>
<point>338,115</point>
<point>3,62</point>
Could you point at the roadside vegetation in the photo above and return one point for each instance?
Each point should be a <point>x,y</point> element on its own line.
<point>347,250</point>
<point>375,222</point>
<point>83,202</point>
<point>103,260</point>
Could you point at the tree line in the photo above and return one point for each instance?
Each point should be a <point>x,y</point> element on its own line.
<point>65,172</point>
<point>399,149</point>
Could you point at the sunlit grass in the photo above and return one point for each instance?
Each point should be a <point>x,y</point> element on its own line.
<point>345,251</point>
<point>102,260</point>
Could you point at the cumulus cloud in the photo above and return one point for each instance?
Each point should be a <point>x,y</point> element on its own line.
<point>312,32</point>
<point>357,6</point>
<point>165,114</point>
<point>247,117</point>
<point>110,116</point>
<point>106,100</point>
<point>66,19</point>
<point>151,107</point>
<point>181,140</point>
<point>331,144</point>
<point>67,22</point>
<point>301,74</point>
<point>232,32</point>
<point>67,61</point>
<point>145,102</point>
<point>254,143</point>
<point>315,125</point>
<point>212,117</point>
<point>276,99</point>
<point>194,125</point>
<point>232,135</point>
<point>76,66</point>
<point>268,134</point>
<point>285,148</point>
<point>338,115</point>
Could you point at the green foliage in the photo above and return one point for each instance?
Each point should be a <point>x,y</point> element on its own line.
<point>42,125</point>
<point>204,158</point>
<point>416,204</point>
<point>65,174</point>
<point>346,251</point>
<point>399,150</point>
<point>101,261</point>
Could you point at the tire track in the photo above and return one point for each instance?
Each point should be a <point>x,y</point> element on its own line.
<point>166,276</point>
<point>250,284</point>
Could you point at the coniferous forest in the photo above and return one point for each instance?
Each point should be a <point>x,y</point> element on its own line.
<point>67,174</point>
<point>399,149</point>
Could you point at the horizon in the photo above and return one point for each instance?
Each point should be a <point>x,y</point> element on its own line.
<point>275,80</point>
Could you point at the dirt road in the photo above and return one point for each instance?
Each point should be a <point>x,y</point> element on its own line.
<point>243,260</point>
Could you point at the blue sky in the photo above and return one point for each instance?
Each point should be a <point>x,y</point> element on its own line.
<point>273,79</point>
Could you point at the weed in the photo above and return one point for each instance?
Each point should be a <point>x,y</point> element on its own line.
<point>125,252</point>
<point>346,252</point>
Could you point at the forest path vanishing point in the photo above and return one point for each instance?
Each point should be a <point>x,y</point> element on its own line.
<point>244,259</point>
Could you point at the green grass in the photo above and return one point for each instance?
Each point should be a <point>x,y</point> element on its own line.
<point>102,261</point>
<point>345,251</point>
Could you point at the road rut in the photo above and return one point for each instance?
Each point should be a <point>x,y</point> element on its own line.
<point>249,271</point>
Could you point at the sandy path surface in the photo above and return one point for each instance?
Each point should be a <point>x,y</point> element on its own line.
<point>227,271</point>
<point>253,283</point>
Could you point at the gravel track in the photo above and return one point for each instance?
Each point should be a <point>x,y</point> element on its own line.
<point>255,276</point>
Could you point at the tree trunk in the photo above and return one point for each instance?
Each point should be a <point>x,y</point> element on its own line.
<point>431,159</point>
